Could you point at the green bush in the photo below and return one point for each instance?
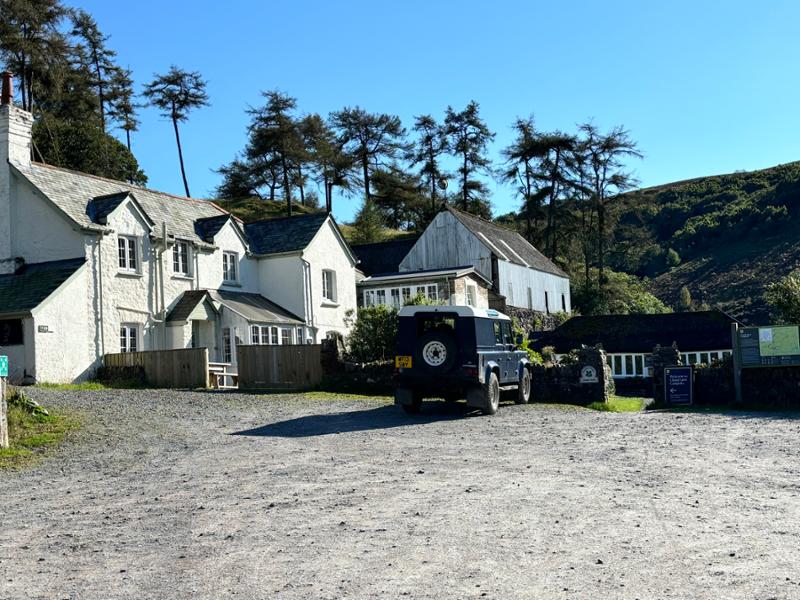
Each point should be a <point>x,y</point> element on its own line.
<point>374,334</point>
<point>783,298</point>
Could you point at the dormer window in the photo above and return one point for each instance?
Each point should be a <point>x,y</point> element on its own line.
<point>128,253</point>
<point>230,267</point>
<point>180,258</point>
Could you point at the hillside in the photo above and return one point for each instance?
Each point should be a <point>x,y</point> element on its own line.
<point>724,237</point>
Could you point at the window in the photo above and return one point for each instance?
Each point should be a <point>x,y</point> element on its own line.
<point>129,338</point>
<point>128,255</point>
<point>432,291</point>
<point>629,364</point>
<point>472,295</point>
<point>255,335</point>
<point>380,297</point>
<point>638,363</point>
<point>395,294</point>
<point>180,258</point>
<point>227,350</point>
<point>406,292</point>
<point>273,336</point>
<point>546,303</point>
<point>498,336</point>
<point>300,339</point>
<point>329,285</point>
<point>617,364</point>
<point>369,297</point>
<point>11,332</point>
<point>286,337</point>
<point>508,338</point>
<point>563,302</point>
<point>230,267</point>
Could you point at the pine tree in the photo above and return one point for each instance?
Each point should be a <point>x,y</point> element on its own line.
<point>430,145</point>
<point>372,139</point>
<point>468,138</point>
<point>176,93</point>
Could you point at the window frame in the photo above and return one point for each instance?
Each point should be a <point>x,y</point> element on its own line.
<point>227,345</point>
<point>129,245</point>
<point>227,264</point>
<point>129,332</point>
<point>177,254</point>
<point>329,290</point>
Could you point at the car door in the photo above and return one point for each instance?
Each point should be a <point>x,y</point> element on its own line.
<point>507,366</point>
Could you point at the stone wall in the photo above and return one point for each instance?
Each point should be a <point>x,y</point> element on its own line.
<point>567,384</point>
<point>663,356</point>
<point>533,320</point>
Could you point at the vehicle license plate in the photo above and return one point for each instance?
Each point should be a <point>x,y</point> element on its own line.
<point>402,362</point>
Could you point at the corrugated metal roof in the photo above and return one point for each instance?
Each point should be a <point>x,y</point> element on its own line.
<point>506,244</point>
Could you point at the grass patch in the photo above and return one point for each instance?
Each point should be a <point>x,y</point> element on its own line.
<point>32,436</point>
<point>619,404</point>
<point>322,395</point>
<point>121,384</point>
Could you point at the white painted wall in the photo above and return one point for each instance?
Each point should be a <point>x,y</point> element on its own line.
<point>515,280</point>
<point>210,264</point>
<point>38,232</point>
<point>60,353</point>
<point>327,251</point>
<point>281,280</point>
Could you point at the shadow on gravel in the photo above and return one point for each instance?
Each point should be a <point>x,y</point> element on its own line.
<point>734,413</point>
<point>383,417</point>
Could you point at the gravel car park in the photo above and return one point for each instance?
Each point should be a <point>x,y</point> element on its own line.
<point>166,494</point>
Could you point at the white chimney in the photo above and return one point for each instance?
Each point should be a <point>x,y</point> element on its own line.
<point>15,146</point>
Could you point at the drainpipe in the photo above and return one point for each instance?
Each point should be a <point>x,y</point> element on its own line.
<point>100,293</point>
<point>308,296</point>
<point>163,312</point>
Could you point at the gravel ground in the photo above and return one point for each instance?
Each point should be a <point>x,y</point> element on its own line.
<point>188,495</point>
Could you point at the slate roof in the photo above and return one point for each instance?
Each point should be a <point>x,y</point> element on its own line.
<point>383,257</point>
<point>99,208</point>
<point>208,227</point>
<point>73,192</point>
<point>505,243</point>
<point>285,234</point>
<point>423,274</point>
<point>26,289</point>
<point>253,307</point>
<point>693,331</point>
<point>186,304</point>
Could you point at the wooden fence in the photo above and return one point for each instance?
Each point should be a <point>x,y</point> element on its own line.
<point>184,368</point>
<point>279,367</point>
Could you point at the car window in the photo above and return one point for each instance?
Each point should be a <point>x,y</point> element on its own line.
<point>498,336</point>
<point>507,337</point>
<point>435,322</point>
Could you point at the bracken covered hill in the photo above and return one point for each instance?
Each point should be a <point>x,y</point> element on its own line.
<point>724,237</point>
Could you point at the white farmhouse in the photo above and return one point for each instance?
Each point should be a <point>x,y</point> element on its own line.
<point>90,266</point>
<point>522,278</point>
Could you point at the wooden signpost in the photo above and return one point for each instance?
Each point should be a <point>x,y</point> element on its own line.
<point>3,404</point>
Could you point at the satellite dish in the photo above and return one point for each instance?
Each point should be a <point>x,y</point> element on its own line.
<point>442,183</point>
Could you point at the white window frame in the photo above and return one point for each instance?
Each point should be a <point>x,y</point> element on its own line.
<point>129,337</point>
<point>329,291</point>
<point>395,298</point>
<point>472,295</point>
<point>287,336</point>
<point>129,256</point>
<point>432,291</point>
<point>182,251</point>
<point>230,266</point>
<point>227,345</point>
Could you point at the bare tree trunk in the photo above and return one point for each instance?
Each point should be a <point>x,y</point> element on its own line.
<point>180,157</point>
<point>301,186</point>
<point>464,191</point>
<point>365,169</point>
<point>287,191</point>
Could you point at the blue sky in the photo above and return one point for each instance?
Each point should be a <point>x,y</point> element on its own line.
<point>704,87</point>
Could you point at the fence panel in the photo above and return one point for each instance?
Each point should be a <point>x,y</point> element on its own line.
<point>279,367</point>
<point>184,368</point>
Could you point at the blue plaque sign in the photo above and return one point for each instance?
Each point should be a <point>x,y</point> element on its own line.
<point>3,366</point>
<point>678,385</point>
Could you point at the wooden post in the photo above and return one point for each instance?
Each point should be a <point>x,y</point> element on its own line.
<point>3,413</point>
<point>737,363</point>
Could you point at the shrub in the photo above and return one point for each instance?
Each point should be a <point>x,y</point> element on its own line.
<point>374,334</point>
<point>783,298</point>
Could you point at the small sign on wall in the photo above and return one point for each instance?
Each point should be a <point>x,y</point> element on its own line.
<point>43,329</point>
<point>3,366</point>
<point>588,374</point>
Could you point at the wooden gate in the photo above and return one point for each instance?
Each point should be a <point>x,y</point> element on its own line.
<point>183,368</point>
<point>279,367</point>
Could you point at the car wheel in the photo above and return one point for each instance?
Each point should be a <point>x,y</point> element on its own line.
<point>524,389</point>
<point>410,400</point>
<point>491,392</point>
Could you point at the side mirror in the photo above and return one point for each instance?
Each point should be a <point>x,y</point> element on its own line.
<point>520,339</point>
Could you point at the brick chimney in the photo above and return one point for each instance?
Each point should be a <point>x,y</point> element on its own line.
<point>15,146</point>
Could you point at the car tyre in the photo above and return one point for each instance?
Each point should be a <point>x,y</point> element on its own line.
<point>491,394</point>
<point>524,388</point>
